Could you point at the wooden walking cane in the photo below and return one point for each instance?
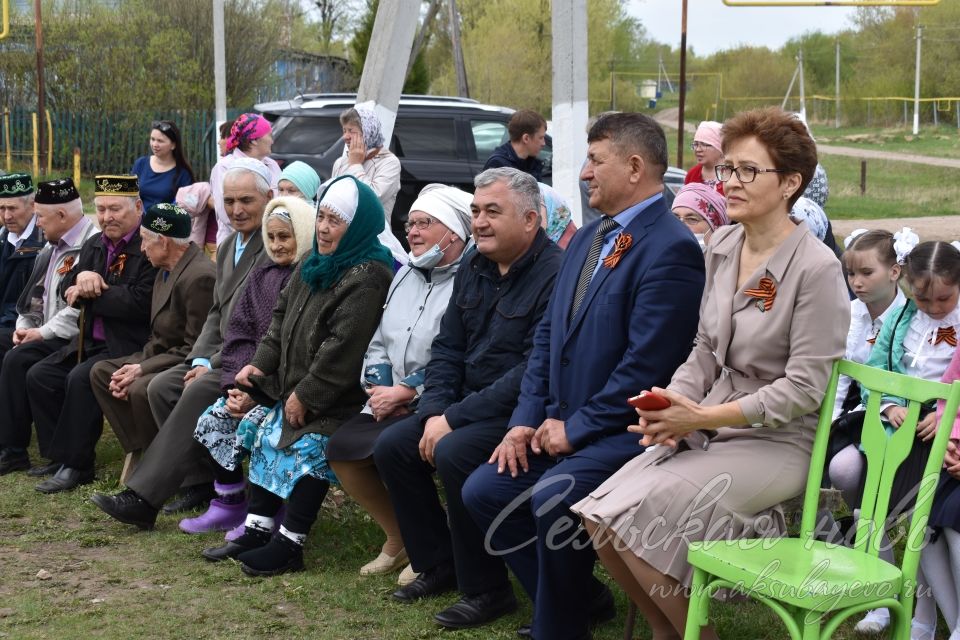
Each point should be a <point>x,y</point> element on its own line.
<point>83,310</point>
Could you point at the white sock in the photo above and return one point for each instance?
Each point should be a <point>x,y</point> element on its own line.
<point>298,538</point>
<point>263,524</point>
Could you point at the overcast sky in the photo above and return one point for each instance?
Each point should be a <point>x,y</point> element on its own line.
<point>712,25</point>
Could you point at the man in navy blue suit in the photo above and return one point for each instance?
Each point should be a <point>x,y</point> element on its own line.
<point>621,319</point>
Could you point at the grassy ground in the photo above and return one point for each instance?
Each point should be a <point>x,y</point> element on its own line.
<point>894,189</point>
<point>106,580</point>
<point>941,142</point>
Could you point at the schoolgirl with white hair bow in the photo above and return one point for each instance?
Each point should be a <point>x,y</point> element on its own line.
<point>918,340</point>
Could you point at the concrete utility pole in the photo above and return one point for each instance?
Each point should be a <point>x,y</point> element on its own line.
<point>803,95</point>
<point>386,64</point>
<point>570,108</point>
<point>916,85</point>
<point>219,70</point>
<point>41,91</point>
<point>423,33</point>
<point>463,90</point>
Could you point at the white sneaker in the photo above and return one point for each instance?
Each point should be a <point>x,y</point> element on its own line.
<point>875,622</point>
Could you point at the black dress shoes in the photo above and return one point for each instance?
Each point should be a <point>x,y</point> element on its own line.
<point>473,611</point>
<point>65,479</point>
<point>190,498</point>
<point>127,507</point>
<point>43,470</point>
<point>431,582</point>
<point>11,461</point>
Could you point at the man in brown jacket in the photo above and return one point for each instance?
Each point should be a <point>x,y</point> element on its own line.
<point>182,295</point>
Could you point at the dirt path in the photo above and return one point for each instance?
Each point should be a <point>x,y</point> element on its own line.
<point>668,118</point>
<point>929,228</point>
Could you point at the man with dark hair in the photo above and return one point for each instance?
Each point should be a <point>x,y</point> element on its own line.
<point>471,387</point>
<point>528,135</point>
<point>621,319</point>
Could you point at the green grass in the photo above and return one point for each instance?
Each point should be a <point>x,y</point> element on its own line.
<point>938,142</point>
<point>110,581</point>
<point>894,189</point>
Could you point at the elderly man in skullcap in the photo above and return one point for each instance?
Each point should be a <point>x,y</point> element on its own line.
<point>45,322</point>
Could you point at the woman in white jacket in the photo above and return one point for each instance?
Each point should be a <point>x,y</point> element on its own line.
<point>438,230</point>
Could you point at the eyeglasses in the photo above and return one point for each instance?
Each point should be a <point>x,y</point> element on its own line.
<point>696,146</point>
<point>162,126</point>
<point>745,174</point>
<point>422,224</point>
<point>690,220</point>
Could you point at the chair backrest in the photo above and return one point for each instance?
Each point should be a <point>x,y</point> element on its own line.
<point>884,454</point>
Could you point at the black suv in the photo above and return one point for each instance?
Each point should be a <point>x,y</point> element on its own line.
<point>437,139</point>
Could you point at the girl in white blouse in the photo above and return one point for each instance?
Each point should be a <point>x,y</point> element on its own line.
<point>919,340</point>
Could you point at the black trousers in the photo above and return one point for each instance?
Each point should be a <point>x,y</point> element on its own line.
<point>430,535</point>
<point>16,417</point>
<point>63,406</point>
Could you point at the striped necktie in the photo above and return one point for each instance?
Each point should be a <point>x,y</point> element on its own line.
<point>586,274</point>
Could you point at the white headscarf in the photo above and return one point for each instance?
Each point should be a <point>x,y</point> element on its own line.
<point>341,198</point>
<point>448,205</point>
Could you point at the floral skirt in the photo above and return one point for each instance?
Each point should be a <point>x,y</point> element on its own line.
<point>279,470</point>
<point>217,431</point>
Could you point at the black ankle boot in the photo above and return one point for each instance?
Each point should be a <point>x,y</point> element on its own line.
<point>250,540</point>
<point>280,555</point>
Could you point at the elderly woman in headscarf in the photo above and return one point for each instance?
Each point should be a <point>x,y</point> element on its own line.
<point>702,208</point>
<point>438,230</point>
<point>555,216</point>
<point>299,180</point>
<point>250,137</point>
<point>287,231</point>
<point>367,158</point>
<point>305,370</point>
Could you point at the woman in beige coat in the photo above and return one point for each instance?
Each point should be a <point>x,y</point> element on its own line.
<point>737,439</point>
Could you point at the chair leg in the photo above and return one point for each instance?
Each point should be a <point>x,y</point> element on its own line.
<point>698,611</point>
<point>631,621</point>
<point>130,462</point>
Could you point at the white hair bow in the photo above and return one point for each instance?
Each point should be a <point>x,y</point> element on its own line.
<point>903,243</point>
<point>856,233</point>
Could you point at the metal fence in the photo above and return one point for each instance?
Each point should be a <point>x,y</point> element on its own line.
<point>110,142</point>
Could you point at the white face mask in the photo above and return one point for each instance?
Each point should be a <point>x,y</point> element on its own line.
<point>429,258</point>
<point>703,244</point>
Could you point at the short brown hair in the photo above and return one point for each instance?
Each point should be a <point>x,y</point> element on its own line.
<point>786,139</point>
<point>523,122</point>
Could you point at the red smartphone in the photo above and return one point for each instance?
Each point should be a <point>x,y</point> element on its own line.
<point>649,401</point>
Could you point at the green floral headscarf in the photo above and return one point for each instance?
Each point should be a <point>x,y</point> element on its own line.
<point>358,245</point>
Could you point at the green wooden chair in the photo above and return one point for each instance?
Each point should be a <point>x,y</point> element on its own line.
<point>814,586</point>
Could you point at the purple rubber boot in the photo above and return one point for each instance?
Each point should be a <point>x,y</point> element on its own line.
<point>235,533</point>
<point>220,516</point>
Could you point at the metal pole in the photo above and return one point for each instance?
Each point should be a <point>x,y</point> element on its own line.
<point>219,70</point>
<point>836,104</point>
<point>462,89</point>
<point>8,150</point>
<point>41,90</point>
<point>76,167</point>
<point>36,133</point>
<point>683,83</point>
<point>803,95</point>
<point>916,85</point>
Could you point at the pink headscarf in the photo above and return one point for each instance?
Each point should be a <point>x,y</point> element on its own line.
<point>246,128</point>
<point>704,200</point>
<point>709,133</point>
